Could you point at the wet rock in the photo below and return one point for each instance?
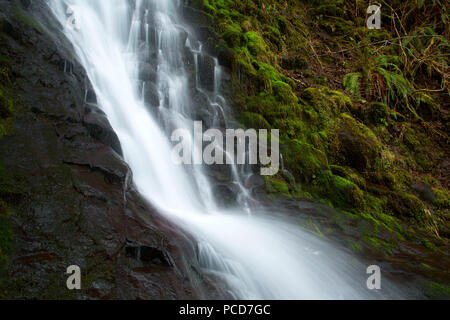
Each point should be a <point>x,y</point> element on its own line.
<point>9,29</point>
<point>206,67</point>
<point>183,35</point>
<point>77,204</point>
<point>226,57</point>
<point>151,94</point>
<point>91,97</point>
<point>99,128</point>
<point>145,254</point>
<point>26,3</point>
<point>147,72</point>
<point>226,195</point>
<point>196,17</point>
<point>254,181</point>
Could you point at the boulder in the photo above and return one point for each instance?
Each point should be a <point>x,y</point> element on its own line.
<point>424,192</point>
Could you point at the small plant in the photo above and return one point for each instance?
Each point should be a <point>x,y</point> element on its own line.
<point>379,78</point>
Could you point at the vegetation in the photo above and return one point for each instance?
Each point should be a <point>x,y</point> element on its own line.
<point>363,114</point>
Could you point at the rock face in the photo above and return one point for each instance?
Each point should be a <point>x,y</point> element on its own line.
<point>77,205</point>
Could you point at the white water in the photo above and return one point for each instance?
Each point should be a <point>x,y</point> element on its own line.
<point>257,257</point>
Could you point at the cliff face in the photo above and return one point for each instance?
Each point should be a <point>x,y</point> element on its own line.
<point>66,194</point>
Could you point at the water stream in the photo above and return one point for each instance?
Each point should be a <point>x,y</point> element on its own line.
<point>139,57</point>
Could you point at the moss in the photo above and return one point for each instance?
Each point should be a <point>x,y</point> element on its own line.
<point>436,291</point>
<point>255,43</point>
<point>407,205</point>
<point>354,246</point>
<point>374,149</point>
<point>4,60</point>
<point>376,113</point>
<point>254,120</point>
<point>303,160</point>
<point>276,185</point>
<point>427,244</point>
<point>340,191</point>
<point>357,146</point>
<point>442,199</point>
<point>336,25</point>
<point>232,36</point>
<point>379,244</point>
<point>284,93</point>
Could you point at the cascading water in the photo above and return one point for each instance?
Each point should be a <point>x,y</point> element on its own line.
<point>134,53</point>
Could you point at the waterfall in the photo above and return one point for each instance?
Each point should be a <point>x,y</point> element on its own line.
<point>134,53</point>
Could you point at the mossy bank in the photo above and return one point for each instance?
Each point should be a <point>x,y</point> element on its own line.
<point>362,114</point>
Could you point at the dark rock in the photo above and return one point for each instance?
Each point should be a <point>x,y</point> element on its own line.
<point>196,17</point>
<point>146,254</point>
<point>226,195</point>
<point>147,72</point>
<point>424,192</point>
<point>151,95</point>
<point>294,63</point>
<point>254,181</point>
<point>91,97</point>
<point>226,57</point>
<point>206,67</point>
<point>207,35</point>
<point>77,203</point>
<point>26,3</point>
<point>183,35</point>
<point>99,128</point>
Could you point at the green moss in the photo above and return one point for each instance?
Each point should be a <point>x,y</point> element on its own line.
<point>340,191</point>
<point>303,160</point>
<point>354,246</point>
<point>254,121</point>
<point>436,291</point>
<point>276,185</point>
<point>442,199</point>
<point>427,244</point>
<point>4,60</point>
<point>404,204</point>
<point>374,149</point>
<point>284,93</point>
<point>255,43</point>
<point>232,36</point>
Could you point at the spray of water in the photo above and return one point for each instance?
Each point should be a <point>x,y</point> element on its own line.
<point>257,257</point>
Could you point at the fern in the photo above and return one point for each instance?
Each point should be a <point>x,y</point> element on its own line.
<point>351,82</point>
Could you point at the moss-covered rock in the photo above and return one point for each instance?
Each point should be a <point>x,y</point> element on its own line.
<point>277,186</point>
<point>254,121</point>
<point>338,191</point>
<point>406,205</point>
<point>357,147</point>
<point>303,160</point>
